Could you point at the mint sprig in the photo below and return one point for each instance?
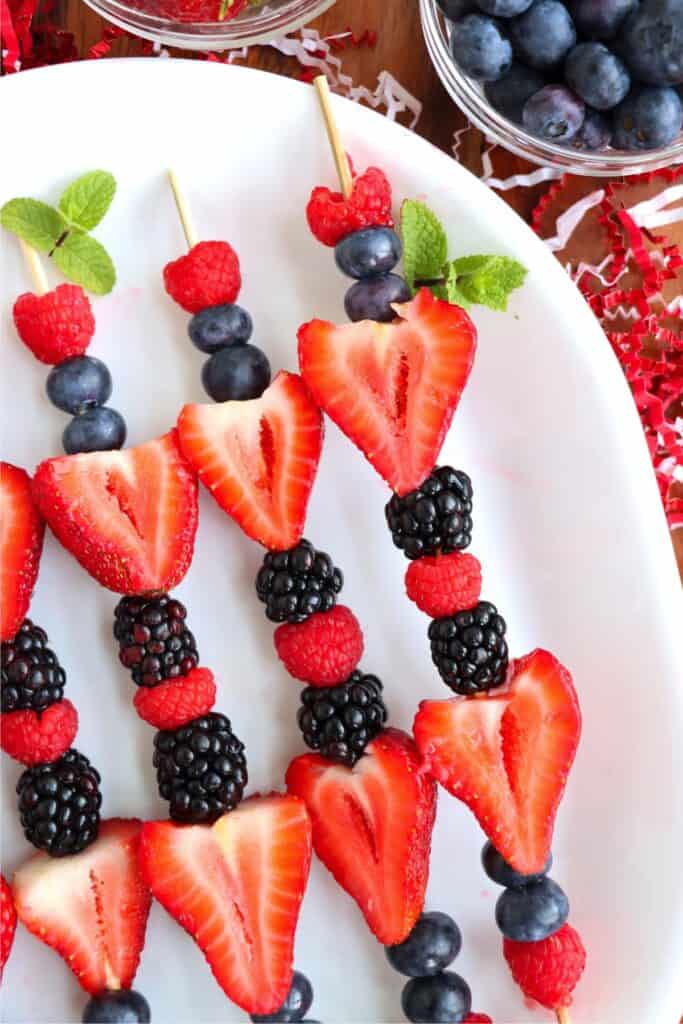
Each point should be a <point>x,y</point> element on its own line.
<point>62,231</point>
<point>483,279</point>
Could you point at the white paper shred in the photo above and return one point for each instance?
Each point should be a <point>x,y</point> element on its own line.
<point>567,222</point>
<point>388,93</point>
<point>515,180</point>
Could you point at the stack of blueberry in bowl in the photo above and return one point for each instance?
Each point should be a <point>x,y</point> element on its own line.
<point>585,74</point>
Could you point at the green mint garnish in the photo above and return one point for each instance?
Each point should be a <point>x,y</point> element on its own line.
<point>87,199</point>
<point>487,280</point>
<point>82,259</point>
<point>37,223</point>
<point>484,280</point>
<point>425,246</point>
<point>63,233</point>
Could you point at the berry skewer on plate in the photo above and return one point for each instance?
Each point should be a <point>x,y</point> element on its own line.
<point>83,893</point>
<point>505,744</point>
<point>232,873</point>
<point>372,807</point>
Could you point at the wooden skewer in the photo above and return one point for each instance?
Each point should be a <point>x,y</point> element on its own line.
<point>183,211</point>
<point>562,1014</point>
<point>35,268</point>
<point>342,164</point>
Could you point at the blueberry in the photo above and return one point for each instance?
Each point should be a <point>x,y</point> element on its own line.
<point>371,299</point>
<point>651,42</point>
<point>553,113</point>
<point>479,47</point>
<point>498,869</point>
<point>432,945</point>
<point>647,119</point>
<point>98,429</point>
<point>454,9</point>
<point>441,997</point>
<point>543,35</point>
<point>368,253</point>
<point>76,383</point>
<point>504,8</point>
<point>123,1006</point>
<point>509,94</point>
<point>600,19</point>
<point>296,1005</point>
<point>236,374</point>
<point>594,134</point>
<point>532,912</point>
<point>217,327</point>
<point>597,75</point>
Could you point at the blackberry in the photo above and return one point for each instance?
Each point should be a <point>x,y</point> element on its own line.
<point>154,642</point>
<point>201,768</point>
<point>340,721</point>
<point>469,648</point>
<point>59,804</point>
<point>437,516</point>
<point>296,583</point>
<point>31,674</point>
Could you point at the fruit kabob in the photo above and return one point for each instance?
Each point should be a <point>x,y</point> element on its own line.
<point>83,894</point>
<point>506,743</point>
<point>257,449</point>
<point>232,873</point>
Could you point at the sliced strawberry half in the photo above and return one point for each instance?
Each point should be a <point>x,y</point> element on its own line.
<point>21,543</point>
<point>372,828</point>
<point>508,755</point>
<point>8,922</point>
<point>236,886</point>
<point>392,388</point>
<point>258,458</point>
<point>129,517</point>
<point>91,907</point>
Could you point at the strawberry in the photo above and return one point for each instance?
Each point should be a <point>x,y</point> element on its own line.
<point>208,275</point>
<point>8,922</point>
<point>90,907</point>
<point>508,755</point>
<point>372,828</point>
<point>258,458</point>
<point>57,325</point>
<point>129,517</point>
<point>36,737</point>
<point>392,388</point>
<point>21,544</point>
<point>236,886</point>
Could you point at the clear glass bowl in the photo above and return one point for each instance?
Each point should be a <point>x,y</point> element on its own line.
<point>254,24</point>
<point>469,96</point>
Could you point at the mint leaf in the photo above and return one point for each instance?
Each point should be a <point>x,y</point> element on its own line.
<point>425,246</point>
<point>486,280</point>
<point>84,261</point>
<point>37,223</point>
<point>453,293</point>
<point>87,199</point>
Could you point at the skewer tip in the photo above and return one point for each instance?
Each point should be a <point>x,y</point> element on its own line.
<point>322,88</point>
<point>562,1014</point>
<point>35,268</point>
<point>183,209</point>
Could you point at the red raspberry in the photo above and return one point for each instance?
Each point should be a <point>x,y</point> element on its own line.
<point>57,325</point>
<point>34,737</point>
<point>443,584</point>
<point>477,1018</point>
<point>331,217</point>
<point>177,701</point>
<point>549,970</point>
<point>8,922</point>
<point>208,275</point>
<point>324,649</point>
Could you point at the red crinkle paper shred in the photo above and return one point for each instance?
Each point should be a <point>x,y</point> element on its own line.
<point>650,345</point>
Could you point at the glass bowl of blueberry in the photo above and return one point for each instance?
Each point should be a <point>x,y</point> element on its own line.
<point>587,86</point>
<point>209,24</point>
